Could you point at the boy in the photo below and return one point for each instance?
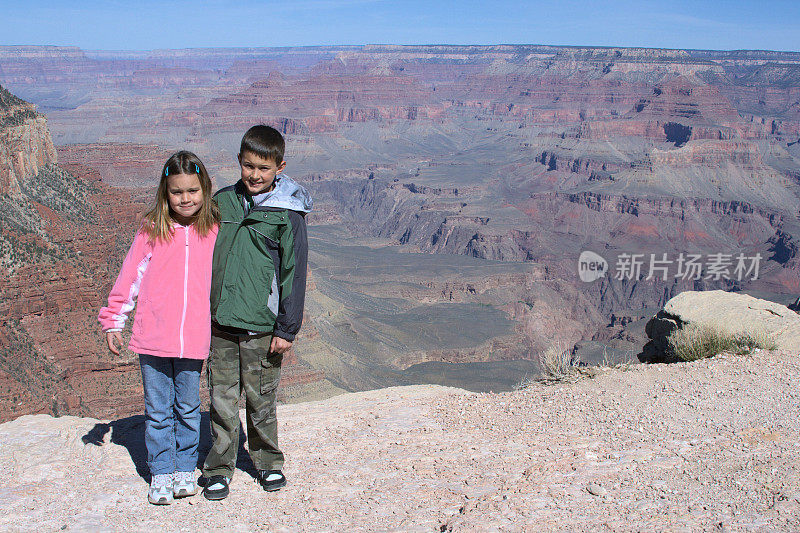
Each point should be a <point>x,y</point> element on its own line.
<point>257,293</point>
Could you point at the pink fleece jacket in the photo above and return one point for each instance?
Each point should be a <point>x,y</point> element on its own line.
<point>173,283</point>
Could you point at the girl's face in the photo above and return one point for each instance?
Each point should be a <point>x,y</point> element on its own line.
<point>185,196</point>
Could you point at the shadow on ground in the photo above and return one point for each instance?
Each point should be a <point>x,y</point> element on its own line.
<point>129,433</point>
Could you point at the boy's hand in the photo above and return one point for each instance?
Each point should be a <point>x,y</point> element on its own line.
<point>114,340</point>
<point>279,345</point>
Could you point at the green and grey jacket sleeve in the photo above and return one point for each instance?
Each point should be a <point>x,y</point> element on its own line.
<point>294,257</point>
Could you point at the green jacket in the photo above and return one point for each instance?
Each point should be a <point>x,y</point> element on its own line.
<point>259,268</point>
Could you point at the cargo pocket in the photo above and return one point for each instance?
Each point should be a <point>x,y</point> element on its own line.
<point>271,372</point>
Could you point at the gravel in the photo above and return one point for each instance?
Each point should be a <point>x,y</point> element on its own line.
<point>710,445</point>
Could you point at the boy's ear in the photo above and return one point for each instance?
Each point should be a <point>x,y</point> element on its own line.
<point>239,158</point>
<point>281,167</point>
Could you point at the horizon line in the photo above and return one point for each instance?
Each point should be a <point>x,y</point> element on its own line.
<point>389,45</point>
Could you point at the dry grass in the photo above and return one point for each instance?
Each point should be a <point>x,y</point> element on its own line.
<point>615,363</point>
<point>558,363</point>
<point>695,342</point>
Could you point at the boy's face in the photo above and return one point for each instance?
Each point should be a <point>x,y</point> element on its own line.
<point>258,174</point>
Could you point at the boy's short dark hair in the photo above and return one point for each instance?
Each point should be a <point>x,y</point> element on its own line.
<point>264,141</point>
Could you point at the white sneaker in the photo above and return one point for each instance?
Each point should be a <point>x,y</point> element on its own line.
<point>184,484</point>
<point>160,492</point>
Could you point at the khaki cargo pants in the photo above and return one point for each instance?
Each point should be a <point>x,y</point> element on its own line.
<point>236,363</point>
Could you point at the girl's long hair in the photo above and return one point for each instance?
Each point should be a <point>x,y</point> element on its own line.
<point>158,221</point>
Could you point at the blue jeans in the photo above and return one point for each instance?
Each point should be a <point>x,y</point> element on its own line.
<point>172,412</point>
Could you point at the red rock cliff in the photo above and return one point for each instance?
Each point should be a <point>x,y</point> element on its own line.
<point>25,144</point>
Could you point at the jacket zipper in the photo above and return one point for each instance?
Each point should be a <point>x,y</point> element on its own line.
<point>185,285</point>
<point>266,238</point>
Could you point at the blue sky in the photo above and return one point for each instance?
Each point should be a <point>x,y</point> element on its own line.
<point>151,24</point>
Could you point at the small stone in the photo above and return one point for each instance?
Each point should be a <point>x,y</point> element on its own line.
<point>596,489</point>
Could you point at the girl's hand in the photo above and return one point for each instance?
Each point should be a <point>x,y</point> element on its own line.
<point>279,345</point>
<point>114,340</point>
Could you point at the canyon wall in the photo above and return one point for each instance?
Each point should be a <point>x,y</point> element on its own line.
<point>63,236</point>
<point>25,143</point>
<point>455,189</point>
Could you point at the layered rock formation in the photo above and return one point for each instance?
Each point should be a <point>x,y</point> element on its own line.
<point>60,241</point>
<point>25,144</point>
<point>63,237</point>
<point>521,155</point>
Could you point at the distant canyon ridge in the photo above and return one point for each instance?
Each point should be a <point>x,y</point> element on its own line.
<point>455,189</point>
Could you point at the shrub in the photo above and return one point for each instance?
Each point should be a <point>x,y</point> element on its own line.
<point>8,100</point>
<point>558,363</point>
<point>694,342</point>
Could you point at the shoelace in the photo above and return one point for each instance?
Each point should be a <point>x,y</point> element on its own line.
<point>162,481</point>
<point>184,477</point>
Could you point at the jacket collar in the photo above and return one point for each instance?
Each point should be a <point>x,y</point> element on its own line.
<point>287,194</point>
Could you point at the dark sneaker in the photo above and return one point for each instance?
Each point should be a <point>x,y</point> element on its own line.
<point>216,488</point>
<point>271,479</point>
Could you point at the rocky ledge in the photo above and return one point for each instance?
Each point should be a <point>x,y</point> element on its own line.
<point>727,312</point>
<point>709,445</point>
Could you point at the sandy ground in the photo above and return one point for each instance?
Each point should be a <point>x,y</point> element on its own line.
<point>710,445</point>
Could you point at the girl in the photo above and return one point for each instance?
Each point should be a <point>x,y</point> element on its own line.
<point>169,268</point>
